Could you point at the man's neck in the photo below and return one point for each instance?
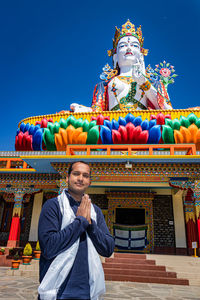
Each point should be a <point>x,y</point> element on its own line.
<point>76,197</point>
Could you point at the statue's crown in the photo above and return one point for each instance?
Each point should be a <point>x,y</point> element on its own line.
<point>127,29</point>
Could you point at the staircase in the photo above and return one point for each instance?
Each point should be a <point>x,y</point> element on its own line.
<point>137,268</point>
<point>185,266</point>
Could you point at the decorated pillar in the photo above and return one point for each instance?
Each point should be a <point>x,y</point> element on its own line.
<point>179,222</point>
<point>191,206</point>
<point>13,240</point>
<point>19,192</point>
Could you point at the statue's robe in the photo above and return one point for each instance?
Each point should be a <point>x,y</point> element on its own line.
<point>103,95</point>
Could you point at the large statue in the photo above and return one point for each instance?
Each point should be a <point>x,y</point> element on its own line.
<point>128,85</point>
<point>128,88</point>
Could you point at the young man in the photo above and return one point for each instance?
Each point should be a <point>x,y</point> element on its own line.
<point>72,232</point>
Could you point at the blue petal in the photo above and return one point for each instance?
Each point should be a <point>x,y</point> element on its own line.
<point>27,127</point>
<point>154,135</point>
<point>106,135</point>
<point>108,124</point>
<point>22,127</point>
<point>122,121</point>
<point>152,123</point>
<point>145,125</point>
<point>31,129</point>
<point>37,140</point>
<point>115,124</point>
<point>129,118</point>
<point>137,121</point>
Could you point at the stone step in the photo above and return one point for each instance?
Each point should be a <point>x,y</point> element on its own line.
<point>136,272</point>
<point>133,266</point>
<point>129,261</point>
<point>146,279</point>
<point>130,255</point>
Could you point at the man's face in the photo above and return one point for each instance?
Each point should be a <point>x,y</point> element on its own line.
<point>128,51</point>
<point>79,178</point>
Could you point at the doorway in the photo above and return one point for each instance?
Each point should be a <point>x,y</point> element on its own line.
<point>130,216</point>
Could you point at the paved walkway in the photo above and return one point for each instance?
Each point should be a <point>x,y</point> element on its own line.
<point>21,288</point>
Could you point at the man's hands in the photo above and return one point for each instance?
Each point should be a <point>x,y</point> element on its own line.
<point>84,209</point>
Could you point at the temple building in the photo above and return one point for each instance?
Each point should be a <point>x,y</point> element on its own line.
<point>149,194</point>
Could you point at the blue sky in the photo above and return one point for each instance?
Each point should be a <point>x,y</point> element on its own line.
<point>52,52</point>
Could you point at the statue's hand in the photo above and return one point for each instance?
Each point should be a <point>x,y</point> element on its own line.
<point>138,73</point>
<point>140,79</point>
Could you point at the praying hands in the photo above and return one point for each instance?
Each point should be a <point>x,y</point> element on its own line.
<point>84,209</point>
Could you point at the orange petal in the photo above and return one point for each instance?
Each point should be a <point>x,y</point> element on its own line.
<point>70,130</point>
<point>59,142</point>
<point>82,138</point>
<point>193,130</point>
<point>187,138</point>
<point>178,137</point>
<point>63,133</point>
<point>76,133</point>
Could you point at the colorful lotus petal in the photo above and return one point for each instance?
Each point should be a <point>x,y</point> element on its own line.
<point>106,135</point>
<point>129,118</point>
<point>46,135</point>
<point>137,121</point>
<point>116,137</point>
<point>122,121</point>
<point>93,135</point>
<point>154,135</point>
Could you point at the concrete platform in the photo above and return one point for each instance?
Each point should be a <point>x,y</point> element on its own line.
<point>25,288</point>
<point>185,266</point>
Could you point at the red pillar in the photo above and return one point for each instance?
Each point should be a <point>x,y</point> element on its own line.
<point>191,229</point>
<point>14,235</point>
<point>13,240</point>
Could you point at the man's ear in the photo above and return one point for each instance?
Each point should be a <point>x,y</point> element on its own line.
<point>67,179</point>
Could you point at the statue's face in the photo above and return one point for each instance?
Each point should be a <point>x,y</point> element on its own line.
<point>128,51</point>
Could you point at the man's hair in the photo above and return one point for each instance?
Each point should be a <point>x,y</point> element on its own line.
<point>71,166</point>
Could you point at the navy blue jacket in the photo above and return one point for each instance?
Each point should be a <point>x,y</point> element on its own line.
<point>53,241</point>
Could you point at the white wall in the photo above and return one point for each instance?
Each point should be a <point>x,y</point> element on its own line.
<point>37,206</point>
<point>179,221</point>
